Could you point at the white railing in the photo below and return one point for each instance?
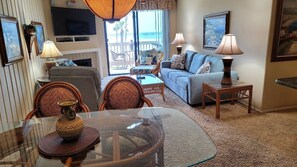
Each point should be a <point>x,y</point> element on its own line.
<point>121,47</point>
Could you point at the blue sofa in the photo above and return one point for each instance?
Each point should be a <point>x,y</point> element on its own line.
<point>188,85</point>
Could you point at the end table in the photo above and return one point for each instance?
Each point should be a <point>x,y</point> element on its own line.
<point>238,90</point>
<point>43,80</point>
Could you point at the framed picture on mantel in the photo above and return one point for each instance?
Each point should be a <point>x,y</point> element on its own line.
<point>215,26</point>
<point>285,31</point>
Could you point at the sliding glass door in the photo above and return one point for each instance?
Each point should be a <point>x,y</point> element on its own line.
<point>139,30</point>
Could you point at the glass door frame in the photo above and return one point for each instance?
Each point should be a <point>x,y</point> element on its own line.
<point>135,43</point>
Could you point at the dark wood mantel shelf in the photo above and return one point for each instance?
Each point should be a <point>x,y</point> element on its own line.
<point>289,82</point>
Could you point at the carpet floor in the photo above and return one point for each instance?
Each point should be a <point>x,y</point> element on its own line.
<point>242,139</point>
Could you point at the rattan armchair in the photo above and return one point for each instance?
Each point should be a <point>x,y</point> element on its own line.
<point>45,101</point>
<point>148,68</point>
<point>124,92</point>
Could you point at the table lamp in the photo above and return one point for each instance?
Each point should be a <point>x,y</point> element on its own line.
<point>179,40</point>
<point>49,53</point>
<point>228,47</point>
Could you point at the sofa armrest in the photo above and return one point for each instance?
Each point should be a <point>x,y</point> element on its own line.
<point>195,82</point>
<point>165,64</point>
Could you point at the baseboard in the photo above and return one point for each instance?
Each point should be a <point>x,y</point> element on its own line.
<point>269,110</point>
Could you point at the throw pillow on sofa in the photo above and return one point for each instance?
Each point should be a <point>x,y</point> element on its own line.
<point>205,68</point>
<point>178,61</point>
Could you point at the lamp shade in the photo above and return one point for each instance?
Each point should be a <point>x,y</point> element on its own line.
<point>50,50</point>
<point>110,10</point>
<point>228,46</point>
<point>179,39</point>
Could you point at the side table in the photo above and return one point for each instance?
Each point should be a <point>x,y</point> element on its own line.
<point>43,80</point>
<point>238,90</point>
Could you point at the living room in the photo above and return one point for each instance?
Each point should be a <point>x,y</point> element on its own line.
<point>252,21</point>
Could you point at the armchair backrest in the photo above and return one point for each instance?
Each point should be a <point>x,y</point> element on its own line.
<point>86,79</point>
<point>46,99</point>
<point>124,92</point>
<point>149,57</point>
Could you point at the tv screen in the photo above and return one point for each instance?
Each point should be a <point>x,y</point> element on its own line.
<point>69,21</point>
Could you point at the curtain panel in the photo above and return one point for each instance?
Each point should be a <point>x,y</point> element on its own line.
<point>155,5</point>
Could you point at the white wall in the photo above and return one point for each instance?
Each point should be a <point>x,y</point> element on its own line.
<point>17,81</point>
<point>249,21</point>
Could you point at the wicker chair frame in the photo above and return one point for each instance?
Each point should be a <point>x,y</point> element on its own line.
<point>122,93</point>
<point>45,101</point>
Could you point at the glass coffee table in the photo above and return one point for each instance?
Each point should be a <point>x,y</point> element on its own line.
<point>151,84</point>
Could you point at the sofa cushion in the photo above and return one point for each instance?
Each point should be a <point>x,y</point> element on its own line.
<point>183,82</point>
<point>175,75</point>
<point>178,61</point>
<point>216,64</point>
<point>205,68</point>
<point>198,60</point>
<point>165,71</point>
<point>188,60</point>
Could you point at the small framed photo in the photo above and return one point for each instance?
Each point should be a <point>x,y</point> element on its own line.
<point>39,36</point>
<point>215,26</point>
<point>10,41</point>
<point>285,31</point>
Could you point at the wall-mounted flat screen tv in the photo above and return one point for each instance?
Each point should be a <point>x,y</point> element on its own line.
<point>70,21</point>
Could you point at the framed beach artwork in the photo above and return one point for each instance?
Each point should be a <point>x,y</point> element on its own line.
<point>39,37</point>
<point>214,27</point>
<point>10,41</point>
<point>285,31</point>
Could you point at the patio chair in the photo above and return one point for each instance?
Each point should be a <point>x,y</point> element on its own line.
<point>123,92</point>
<point>45,101</point>
<point>118,56</point>
<point>120,59</point>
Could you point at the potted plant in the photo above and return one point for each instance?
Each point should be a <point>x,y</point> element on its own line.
<point>29,29</point>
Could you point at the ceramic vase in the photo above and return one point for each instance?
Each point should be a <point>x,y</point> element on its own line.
<point>70,125</point>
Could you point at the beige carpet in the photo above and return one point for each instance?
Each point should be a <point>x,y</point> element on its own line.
<point>242,139</point>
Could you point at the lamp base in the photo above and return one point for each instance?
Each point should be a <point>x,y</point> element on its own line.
<point>226,80</point>
<point>179,49</point>
<point>49,64</point>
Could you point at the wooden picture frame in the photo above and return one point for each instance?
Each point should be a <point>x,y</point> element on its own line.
<point>285,31</point>
<point>214,27</point>
<point>10,40</point>
<point>39,39</point>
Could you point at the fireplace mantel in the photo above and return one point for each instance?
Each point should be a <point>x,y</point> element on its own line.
<point>93,54</point>
<point>69,52</point>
